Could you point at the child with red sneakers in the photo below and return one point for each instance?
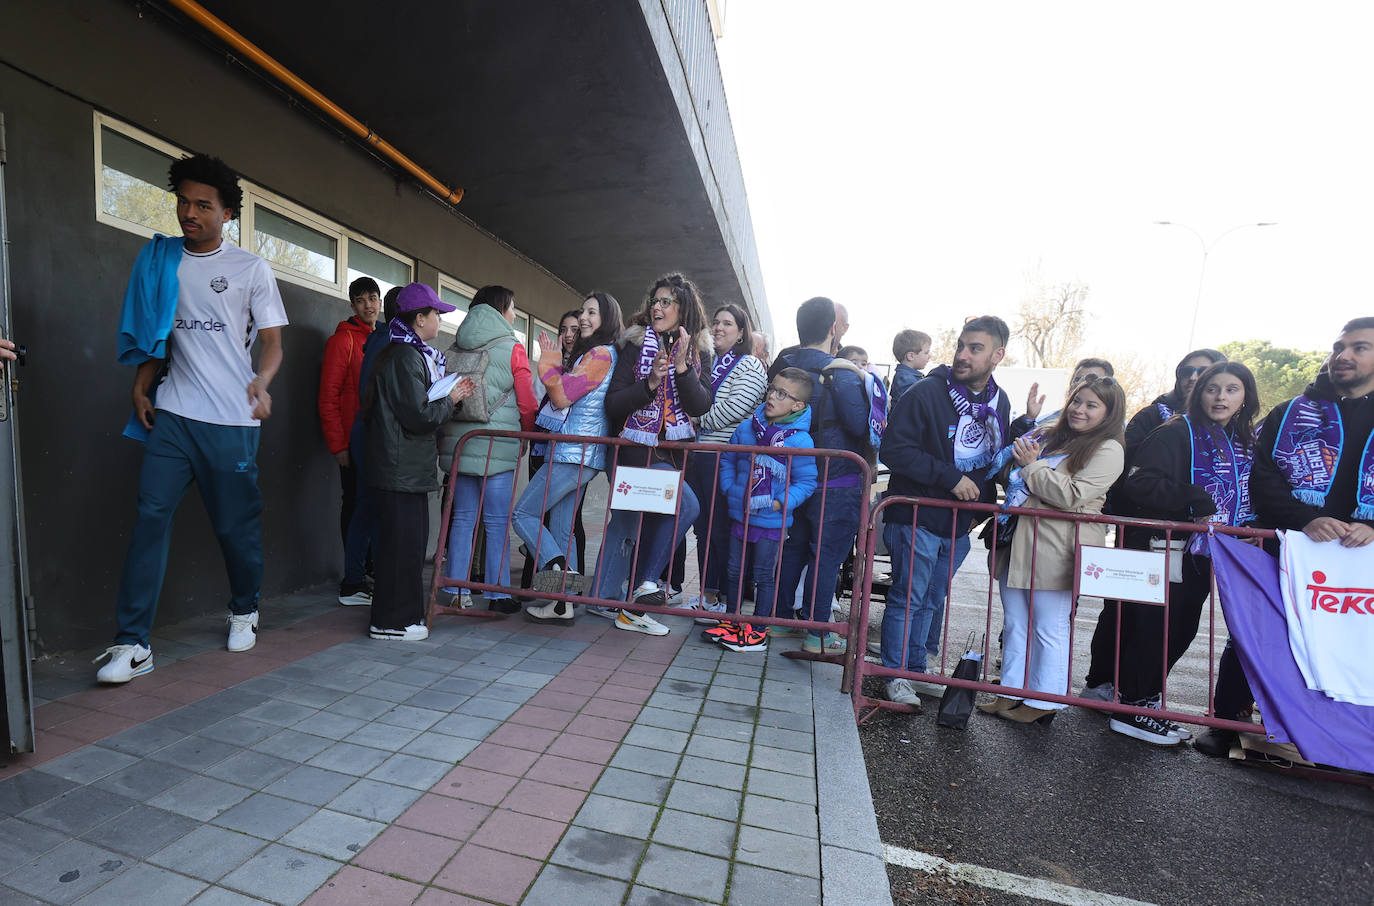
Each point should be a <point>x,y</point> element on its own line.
<point>762,492</point>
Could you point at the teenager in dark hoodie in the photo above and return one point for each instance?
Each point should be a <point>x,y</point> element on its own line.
<point>911,352</point>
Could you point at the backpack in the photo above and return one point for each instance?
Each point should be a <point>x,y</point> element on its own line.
<point>821,416</point>
<point>473,363</point>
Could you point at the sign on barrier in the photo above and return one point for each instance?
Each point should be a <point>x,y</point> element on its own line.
<point>645,490</point>
<point>1123,574</point>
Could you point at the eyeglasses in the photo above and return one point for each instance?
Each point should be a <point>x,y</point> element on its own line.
<point>669,302</point>
<point>1187,371</point>
<point>778,393</point>
<point>1101,381</point>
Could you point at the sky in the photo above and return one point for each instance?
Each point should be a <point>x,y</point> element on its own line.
<point>916,160</point>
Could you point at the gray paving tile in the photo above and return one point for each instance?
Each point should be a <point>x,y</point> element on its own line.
<point>388,691</point>
<point>740,667</point>
<point>617,816</point>
<point>347,758</point>
<point>717,802</point>
<point>440,747</point>
<point>795,704</point>
<point>142,740</point>
<point>281,875</point>
<point>656,738</point>
<point>698,833</point>
<point>239,731</point>
<point>435,701</point>
<point>411,717</point>
<point>782,786</point>
<point>331,726</point>
<point>719,693</point>
<point>67,872</point>
<point>711,773</point>
<point>771,759</point>
<point>559,886</point>
<point>653,761</point>
<point>8,895</point>
<point>680,871</point>
<point>231,701</point>
<point>750,682</point>
<point>528,678</point>
<point>410,770</point>
<point>25,842</point>
<point>647,896</point>
<point>412,676</point>
<point>375,800</point>
<point>146,885</point>
<point>311,696</point>
<point>201,798</point>
<point>506,692</point>
<point>633,785</point>
<point>264,815</point>
<point>779,814</point>
<point>480,706</point>
<point>195,753</point>
<point>730,711</point>
<point>268,685</point>
<point>188,720</point>
<point>315,786</point>
<point>788,720</point>
<point>218,896</point>
<point>207,852</point>
<point>750,885</point>
<point>467,725</point>
<point>293,745</point>
<point>342,681</point>
<point>779,738</point>
<point>459,685</point>
<point>140,831</point>
<point>333,834</point>
<point>87,764</point>
<point>779,851</point>
<point>280,713</point>
<point>544,665</point>
<point>719,749</point>
<point>387,737</point>
<point>360,706</point>
<point>30,788</point>
<point>78,811</point>
<point>671,702</point>
<point>688,674</point>
<point>251,769</point>
<point>668,720</point>
<point>479,672</point>
<point>143,779</point>
<point>599,852</point>
<point>736,730</point>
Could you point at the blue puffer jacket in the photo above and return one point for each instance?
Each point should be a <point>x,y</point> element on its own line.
<point>587,417</point>
<point>792,490</point>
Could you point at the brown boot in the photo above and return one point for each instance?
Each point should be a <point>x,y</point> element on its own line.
<point>998,704</point>
<point>1026,714</point>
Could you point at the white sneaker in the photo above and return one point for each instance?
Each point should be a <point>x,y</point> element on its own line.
<point>125,662</point>
<point>243,631</point>
<point>358,597</point>
<point>1103,693</point>
<point>674,595</point>
<point>415,632</point>
<point>710,607</point>
<point>607,612</point>
<point>640,623</point>
<point>649,593</point>
<point>900,691</point>
<point>552,612</point>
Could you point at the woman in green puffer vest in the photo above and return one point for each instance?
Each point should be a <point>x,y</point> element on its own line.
<point>486,467</point>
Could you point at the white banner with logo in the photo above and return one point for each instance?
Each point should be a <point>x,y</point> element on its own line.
<point>1122,574</point>
<point>1328,596</point>
<point>645,490</point>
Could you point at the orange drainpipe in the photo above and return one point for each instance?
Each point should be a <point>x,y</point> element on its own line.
<point>250,50</point>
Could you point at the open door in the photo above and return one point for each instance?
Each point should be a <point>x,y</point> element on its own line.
<point>16,681</point>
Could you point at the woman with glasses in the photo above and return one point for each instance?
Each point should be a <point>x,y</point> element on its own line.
<point>659,385</point>
<point>1195,468</point>
<point>1066,466</point>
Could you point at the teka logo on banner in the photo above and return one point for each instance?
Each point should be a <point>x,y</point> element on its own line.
<point>623,488</point>
<point>1092,569</point>
<point>1339,600</point>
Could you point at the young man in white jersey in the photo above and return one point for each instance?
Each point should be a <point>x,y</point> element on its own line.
<point>212,300</point>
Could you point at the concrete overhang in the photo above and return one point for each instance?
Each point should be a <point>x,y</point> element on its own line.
<point>591,136</point>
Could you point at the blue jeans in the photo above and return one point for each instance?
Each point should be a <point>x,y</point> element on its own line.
<point>821,548</point>
<point>495,492</point>
<point>920,562</point>
<point>222,461</point>
<point>763,555</point>
<point>657,538</point>
<point>362,528</point>
<point>556,489</point>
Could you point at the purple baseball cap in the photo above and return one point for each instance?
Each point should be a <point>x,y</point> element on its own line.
<point>415,296</point>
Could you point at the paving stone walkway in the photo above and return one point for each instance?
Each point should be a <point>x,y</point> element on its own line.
<point>497,762</point>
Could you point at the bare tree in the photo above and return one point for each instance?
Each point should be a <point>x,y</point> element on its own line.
<point>1051,321</point>
<point>1142,379</point>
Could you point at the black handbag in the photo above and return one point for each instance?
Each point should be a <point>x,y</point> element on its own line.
<point>957,703</point>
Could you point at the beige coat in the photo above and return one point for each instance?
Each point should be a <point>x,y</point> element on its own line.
<point>1053,488</point>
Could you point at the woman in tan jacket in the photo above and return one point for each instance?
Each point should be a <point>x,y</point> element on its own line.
<point>1066,466</point>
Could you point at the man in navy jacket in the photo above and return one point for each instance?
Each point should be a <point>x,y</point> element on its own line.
<point>941,438</point>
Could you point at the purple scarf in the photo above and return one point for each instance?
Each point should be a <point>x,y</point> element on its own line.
<point>400,332</point>
<point>877,408</point>
<point>1308,448</point>
<point>1222,469</point>
<point>663,414</point>
<point>980,434</point>
<point>722,368</point>
<point>1165,413</point>
<point>765,467</point>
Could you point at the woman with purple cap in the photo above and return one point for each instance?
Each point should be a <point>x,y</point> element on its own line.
<point>400,422</point>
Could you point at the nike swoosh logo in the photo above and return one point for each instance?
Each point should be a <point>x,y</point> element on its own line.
<point>136,664</point>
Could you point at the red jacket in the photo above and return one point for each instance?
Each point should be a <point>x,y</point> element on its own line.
<point>343,359</point>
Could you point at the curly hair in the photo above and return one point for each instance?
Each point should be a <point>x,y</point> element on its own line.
<point>211,171</point>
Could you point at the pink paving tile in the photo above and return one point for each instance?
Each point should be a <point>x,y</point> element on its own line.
<point>141,707</point>
<point>605,707</point>
<point>631,678</point>
<point>537,716</point>
<point>584,748</point>
<point>523,835</point>
<point>561,701</point>
<point>599,727</point>
<point>633,694</point>
<point>48,745</point>
<point>496,876</point>
<point>356,885</point>
<point>433,896</point>
<point>96,726</point>
<point>647,668</point>
<point>45,717</point>
<point>572,684</point>
<point>98,697</point>
<point>468,783</point>
<point>564,772</point>
<point>446,817</point>
<point>546,800</point>
<point>521,737</point>
<point>184,692</point>
<point>408,853</point>
<point>501,759</point>
<point>587,659</point>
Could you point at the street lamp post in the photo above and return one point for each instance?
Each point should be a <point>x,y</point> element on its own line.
<point>1206,250</point>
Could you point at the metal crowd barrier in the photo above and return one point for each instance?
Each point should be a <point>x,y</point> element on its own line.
<point>865,706</point>
<point>853,632</point>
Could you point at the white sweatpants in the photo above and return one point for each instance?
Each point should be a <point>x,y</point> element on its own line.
<point>1049,642</point>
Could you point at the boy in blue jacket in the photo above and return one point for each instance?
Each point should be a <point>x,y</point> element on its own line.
<point>762,493</point>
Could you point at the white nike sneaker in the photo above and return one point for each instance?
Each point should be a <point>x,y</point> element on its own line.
<point>125,662</point>
<point>243,631</point>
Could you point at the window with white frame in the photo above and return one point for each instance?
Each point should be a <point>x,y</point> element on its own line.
<point>459,295</point>
<point>287,242</point>
<point>387,268</point>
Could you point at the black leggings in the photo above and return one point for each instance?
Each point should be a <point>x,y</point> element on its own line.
<point>1142,631</point>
